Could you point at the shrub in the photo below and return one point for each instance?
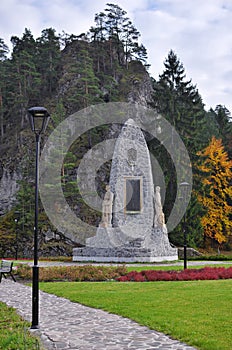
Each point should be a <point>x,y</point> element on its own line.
<point>207,273</point>
<point>72,273</point>
<point>105,273</point>
<point>220,257</point>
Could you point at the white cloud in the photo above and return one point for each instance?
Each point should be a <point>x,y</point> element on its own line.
<point>198,31</point>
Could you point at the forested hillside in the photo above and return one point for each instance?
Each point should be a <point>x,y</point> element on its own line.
<point>66,73</point>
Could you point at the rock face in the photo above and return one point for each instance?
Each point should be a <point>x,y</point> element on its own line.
<point>8,189</point>
<point>140,85</point>
<point>130,234</point>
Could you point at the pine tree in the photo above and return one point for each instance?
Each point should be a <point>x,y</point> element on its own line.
<point>48,58</point>
<point>25,79</point>
<point>3,50</point>
<point>224,119</point>
<point>180,103</point>
<point>194,229</point>
<point>3,56</point>
<point>216,195</point>
<point>121,36</point>
<point>98,38</point>
<point>79,77</point>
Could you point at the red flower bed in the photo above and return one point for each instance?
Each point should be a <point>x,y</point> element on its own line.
<point>207,273</point>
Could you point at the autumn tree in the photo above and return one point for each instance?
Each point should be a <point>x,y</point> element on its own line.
<point>217,191</point>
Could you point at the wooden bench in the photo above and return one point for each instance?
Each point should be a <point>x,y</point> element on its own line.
<point>6,269</point>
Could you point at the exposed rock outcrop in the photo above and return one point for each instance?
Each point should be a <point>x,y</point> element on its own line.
<point>8,189</point>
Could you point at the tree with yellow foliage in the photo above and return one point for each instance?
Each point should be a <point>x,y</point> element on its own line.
<point>216,196</point>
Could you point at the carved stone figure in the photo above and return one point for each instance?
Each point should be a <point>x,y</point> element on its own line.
<point>107,208</point>
<point>159,220</point>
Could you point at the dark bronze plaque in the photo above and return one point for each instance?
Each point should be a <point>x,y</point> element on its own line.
<point>133,195</point>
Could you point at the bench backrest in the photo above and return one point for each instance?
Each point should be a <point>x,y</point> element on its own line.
<point>6,266</point>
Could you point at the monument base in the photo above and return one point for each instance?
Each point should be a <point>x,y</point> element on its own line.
<point>118,256</point>
<point>155,248</point>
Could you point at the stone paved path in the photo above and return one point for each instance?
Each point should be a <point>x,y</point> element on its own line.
<point>66,325</point>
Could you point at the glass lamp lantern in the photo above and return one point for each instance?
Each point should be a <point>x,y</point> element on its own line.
<point>38,118</point>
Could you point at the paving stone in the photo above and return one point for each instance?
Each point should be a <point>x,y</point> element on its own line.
<point>66,325</point>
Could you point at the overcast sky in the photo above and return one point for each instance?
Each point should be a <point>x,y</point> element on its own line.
<point>199,31</point>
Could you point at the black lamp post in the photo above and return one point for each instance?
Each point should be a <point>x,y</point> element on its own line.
<point>184,189</point>
<point>17,217</point>
<point>38,117</point>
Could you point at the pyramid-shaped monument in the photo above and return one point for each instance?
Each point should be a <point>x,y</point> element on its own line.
<point>133,225</point>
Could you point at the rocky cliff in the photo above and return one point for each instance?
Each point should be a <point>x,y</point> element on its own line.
<point>131,84</point>
<point>8,189</point>
<point>101,84</point>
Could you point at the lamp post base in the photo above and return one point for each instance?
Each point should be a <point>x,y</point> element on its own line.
<point>185,257</point>
<point>35,297</point>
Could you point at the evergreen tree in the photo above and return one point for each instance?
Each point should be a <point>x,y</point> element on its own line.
<point>88,83</point>
<point>180,103</point>
<point>3,57</point>
<point>3,50</point>
<point>26,43</point>
<point>48,59</point>
<point>212,126</point>
<point>79,78</point>
<point>121,36</point>
<point>224,122</point>
<point>194,229</point>
<point>25,79</point>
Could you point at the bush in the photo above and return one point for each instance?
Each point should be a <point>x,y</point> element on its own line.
<point>220,257</point>
<point>72,273</point>
<point>105,273</point>
<point>207,273</point>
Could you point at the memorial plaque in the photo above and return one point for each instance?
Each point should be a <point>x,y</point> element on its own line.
<point>133,195</point>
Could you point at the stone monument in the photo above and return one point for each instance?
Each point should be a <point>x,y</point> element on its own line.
<point>133,224</point>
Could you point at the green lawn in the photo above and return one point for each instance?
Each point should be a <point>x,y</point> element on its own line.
<point>14,331</point>
<point>196,312</point>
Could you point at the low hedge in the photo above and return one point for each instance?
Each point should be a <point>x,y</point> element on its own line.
<point>220,257</point>
<point>207,273</point>
<point>72,273</point>
<point>119,273</point>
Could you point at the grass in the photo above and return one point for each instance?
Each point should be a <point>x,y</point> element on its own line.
<point>196,312</point>
<point>14,331</point>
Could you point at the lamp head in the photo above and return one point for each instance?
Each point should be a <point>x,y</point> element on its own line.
<point>38,118</point>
